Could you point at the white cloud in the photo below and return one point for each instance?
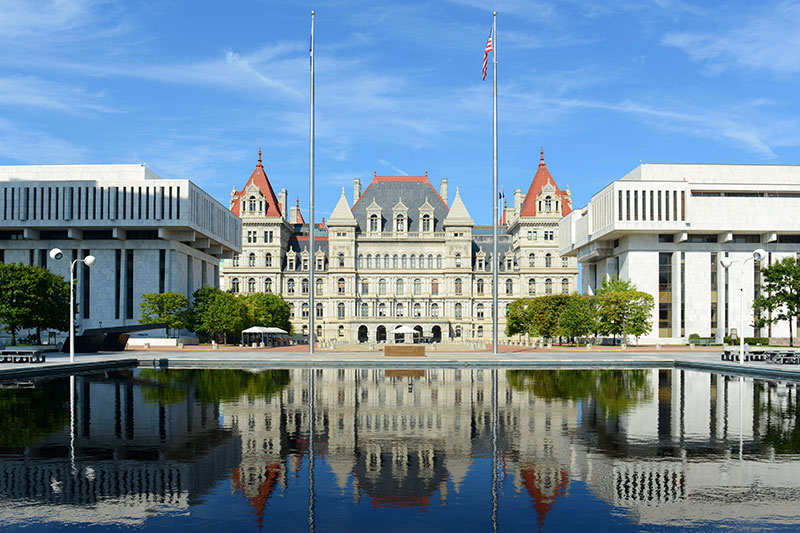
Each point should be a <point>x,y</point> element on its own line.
<point>765,40</point>
<point>35,92</point>
<point>37,147</point>
<point>394,168</point>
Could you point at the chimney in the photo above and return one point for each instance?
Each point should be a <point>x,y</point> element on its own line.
<point>293,218</point>
<point>517,200</point>
<point>356,190</point>
<point>443,190</point>
<point>283,200</point>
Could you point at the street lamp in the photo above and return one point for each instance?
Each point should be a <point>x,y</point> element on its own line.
<point>726,262</point>
<point>89,261</point>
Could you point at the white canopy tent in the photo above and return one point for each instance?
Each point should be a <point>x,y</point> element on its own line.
<point>271,332</point>
<point>405,330</point>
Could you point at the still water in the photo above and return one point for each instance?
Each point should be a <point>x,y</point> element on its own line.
<point>400,450</point>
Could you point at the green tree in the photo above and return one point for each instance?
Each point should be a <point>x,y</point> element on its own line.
<point>625,312</point>
<point>780,294</point>
<point>519,317</point>
<point>614,284</point>
<point>202,299</point>
<point>269,310</point>
<point>224,314</point>
<point>32,297</point>
<point>170,308</point>
<point>578,317</point>
<point>546,313</point>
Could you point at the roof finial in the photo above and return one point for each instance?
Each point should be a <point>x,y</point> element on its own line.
<point>541,155</point>
<point>375,173</point>
<point>259,156</point>
<point>298,202</point>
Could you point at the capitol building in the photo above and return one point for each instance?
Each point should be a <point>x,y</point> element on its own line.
<point>400,252</point>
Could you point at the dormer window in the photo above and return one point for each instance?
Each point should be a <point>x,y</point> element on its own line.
<point>252,203</point>
<point>426,223</point>
<point>373,223</point>
<point>548,204</point>
<point>400,224</point>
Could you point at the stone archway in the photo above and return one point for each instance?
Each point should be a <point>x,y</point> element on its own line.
<point>418,336</point>
<point>363,334</point>
<point>380,334</point>
<point>436,334</point>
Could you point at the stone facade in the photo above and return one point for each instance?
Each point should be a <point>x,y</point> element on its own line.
<point>402,254</point>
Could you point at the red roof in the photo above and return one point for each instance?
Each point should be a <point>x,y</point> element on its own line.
<point>259,501</point>
<point>260,180</point>
<point>503,220</point>
<point>541,179</point>
<point>543,500</point>
<point>300,219</point>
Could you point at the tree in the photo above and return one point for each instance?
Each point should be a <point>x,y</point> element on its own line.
<point>614,284</point>
<point>170,308</point>
<point>780,294</point>
<point>32,297</point>
<point>578,318</point>
<point>202,299</point>
<point>546,312</point>
<point>519,317</point>
<point>269,310</point>
<point>220,313</point>
<point>625,312</point>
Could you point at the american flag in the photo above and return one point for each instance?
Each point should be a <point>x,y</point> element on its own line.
<point>486,53</point>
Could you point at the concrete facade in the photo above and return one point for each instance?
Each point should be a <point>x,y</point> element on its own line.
<point>148,234</point>
<point>666,228</point>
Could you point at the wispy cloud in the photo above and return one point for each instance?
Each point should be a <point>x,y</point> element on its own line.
<point>764,40</point>
<point>34,147</point>
<point>35,92</point>
<point>398,171</point>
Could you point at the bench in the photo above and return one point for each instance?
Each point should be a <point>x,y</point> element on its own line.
<point>22,356</point>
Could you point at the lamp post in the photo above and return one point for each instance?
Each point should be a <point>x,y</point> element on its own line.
<point>89,261</point>
<point>758,255</point>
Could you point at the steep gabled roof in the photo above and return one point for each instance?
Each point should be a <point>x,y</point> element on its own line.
<point>342,216</point>
<point>260,180</point>
<point>458,215</point>
<point>540,180</point>
<point>414,191</point>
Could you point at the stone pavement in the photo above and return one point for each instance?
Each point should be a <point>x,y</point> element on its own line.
<point>297,356</point>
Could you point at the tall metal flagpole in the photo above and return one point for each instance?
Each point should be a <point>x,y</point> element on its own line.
<point>312,259</point>
<point>495,259</point>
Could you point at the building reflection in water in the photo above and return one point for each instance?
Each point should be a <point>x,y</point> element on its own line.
<point>662,444</point>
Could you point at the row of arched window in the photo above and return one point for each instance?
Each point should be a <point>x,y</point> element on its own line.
<point>548,260</point>
<point>548,286</point>
<point>399,261</point>
<point>383,310</point>
<point>400,223</point>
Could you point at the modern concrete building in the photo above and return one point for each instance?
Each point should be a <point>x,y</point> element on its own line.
<point>403,253</point>
<point>148,234</point>
<point>666,227</point>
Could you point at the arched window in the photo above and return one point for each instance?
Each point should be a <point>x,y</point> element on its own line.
<point>398,286</point>
<point>320,285</point>
<point>531,260</point>
<point>430,261</point>
<point>439,261</point>
<point>426,223</point>
<point>364,310</point>
<point>360,261</point>
<point>479,311</point>
<point>458,311</point>
<point>304,310</point>
<point>236,260</point>
<point>319,332</point>
<point>417,310</point>
<point>405,261</point>
<point>268,285</point>
<point>434,310</point>
<point>341,331</point>
<point>364,286</point>
<point>458,331</point>
<point>548,261</point>
<point>394,262</point>
<point>401,223</point>
<point>422,261</point>
<point>340,286</point>
<point>381,309</point>
<point>382,287</point>
<point>413,261</point>
<point>434,287</point>
<point>252,203</point>
<point>235,285</point>
<point>480,331</point>
<point>548,286</point>
<point>341,260</point>
<point>304,285</point>
<point>565,286</point>
<point>458,286</point>
<point>417,287</point>
<point>268,259</point>
<point>289,286</point>
<point>565,262</point>
<point>399,310</point>
<point>373,223</point>
<point>531,286</point>
<point>548,204</point>
<point>319,310</point>
<point>369,260</point>
<point>479,286</point>
<point>291,310</point>
<point>509,287</point>
<point>386,261</point>
<point>251,260</point>
<point>340,310</point>
<point>458,260</point>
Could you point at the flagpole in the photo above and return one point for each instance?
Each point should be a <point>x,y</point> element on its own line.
<point>312,258</point>
<point>495,259</point>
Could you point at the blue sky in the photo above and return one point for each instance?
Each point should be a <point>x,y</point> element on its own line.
<point>193,89</point>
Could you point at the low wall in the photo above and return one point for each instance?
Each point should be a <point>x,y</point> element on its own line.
<point>402,350</point>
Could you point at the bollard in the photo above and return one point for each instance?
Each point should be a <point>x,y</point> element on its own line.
<point>588,346</point>
<point>215,345</point>
<point>147,346</point>
<point>180,346</point>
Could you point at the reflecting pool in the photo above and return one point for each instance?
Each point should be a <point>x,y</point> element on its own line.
<point>399,450</point>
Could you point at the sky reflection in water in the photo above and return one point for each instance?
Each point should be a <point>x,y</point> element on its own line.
<point>445,449</point>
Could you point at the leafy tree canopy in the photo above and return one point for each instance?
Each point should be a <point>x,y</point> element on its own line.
<point>269,310</point>
<point>170,308</point>
<point>780,294</point>
<point>32,297</point>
